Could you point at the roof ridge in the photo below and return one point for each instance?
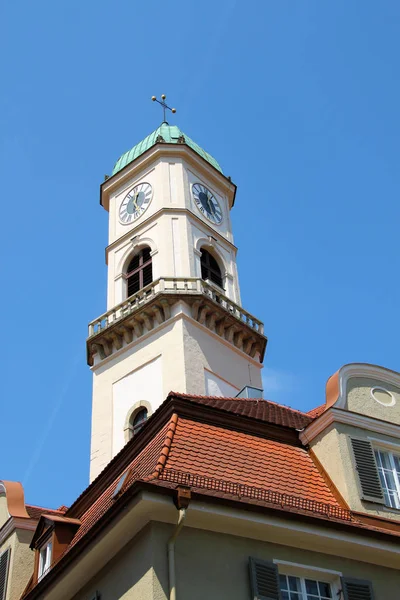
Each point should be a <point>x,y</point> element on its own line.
<point>44,508</point>
<point>232,398</point>
<point>162,459</point>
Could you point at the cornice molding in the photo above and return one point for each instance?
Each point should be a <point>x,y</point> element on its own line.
<point>14,523</point>
<point>338,415</point>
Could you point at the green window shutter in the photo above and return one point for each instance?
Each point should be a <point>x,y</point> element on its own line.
<point>264,580</point>
<point>4,561</point>
<point>357,589</point>
<point>367,470</point>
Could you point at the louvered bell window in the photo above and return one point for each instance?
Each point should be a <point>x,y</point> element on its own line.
<point>139,272</point>
<point>210,268</point>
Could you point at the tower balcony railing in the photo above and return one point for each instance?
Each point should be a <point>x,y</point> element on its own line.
<point>173,286</point>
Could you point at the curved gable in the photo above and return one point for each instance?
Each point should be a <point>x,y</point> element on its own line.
<point>366,389</point>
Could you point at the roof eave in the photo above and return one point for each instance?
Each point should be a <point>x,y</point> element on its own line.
<point>130,494</point>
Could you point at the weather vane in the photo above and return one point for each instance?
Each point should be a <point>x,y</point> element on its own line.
<point>163,104</point>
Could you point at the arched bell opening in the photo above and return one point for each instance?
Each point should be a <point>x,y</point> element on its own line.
<point>139,272</point>
<point>210,269</point>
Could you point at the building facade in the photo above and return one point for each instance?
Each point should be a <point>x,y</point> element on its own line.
<point>209,491</point>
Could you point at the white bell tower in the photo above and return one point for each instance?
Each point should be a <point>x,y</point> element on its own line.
<point>174,320</point>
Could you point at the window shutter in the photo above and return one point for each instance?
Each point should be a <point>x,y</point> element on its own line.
<point>264,580</point>
<point>4,560</point>
<point>357,589</point>
<point>367,470</point>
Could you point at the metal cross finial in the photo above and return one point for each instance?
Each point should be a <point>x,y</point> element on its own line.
<point>163,104</point>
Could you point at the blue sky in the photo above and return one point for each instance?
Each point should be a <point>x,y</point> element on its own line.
<point>298,101</point>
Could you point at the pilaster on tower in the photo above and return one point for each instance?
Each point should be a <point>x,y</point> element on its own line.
<point>174,319</point>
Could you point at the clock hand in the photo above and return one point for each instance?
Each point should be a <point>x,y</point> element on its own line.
<point>135,197</point>
<point>212,211</point>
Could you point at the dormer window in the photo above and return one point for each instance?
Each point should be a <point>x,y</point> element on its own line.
<point>44,559</point>
<point>389,474</point>
<point>210,269</point>
<point>139,272</point>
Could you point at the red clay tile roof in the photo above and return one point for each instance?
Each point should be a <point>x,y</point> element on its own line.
<point>35,512</point>
<point>263,410</point>
<point>221,462</point>
<point>143,466</point>
<point>233,456</point>
<point>316,412</point>
<point>207,452</point>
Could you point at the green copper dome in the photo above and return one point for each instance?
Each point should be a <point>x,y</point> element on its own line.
<point>170,134</point>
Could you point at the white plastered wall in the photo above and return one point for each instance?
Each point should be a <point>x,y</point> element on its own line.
<point>181,356</point>
<point>142,384</point>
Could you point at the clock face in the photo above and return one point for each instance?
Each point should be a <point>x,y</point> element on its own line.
<point>207,203</point>
<point>135,203</point>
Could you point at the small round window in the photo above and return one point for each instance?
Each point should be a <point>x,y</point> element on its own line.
<point>383,396</point>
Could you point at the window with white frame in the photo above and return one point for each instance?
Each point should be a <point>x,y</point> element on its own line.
<point>302,588</point>
<point>44,559</point>
<point>283,580</point>
<point>388,465</point>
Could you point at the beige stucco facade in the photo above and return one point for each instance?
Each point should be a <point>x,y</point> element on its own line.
<point>15,535</point>
<point>214,565</point>
<point>366,406</point>
<point>21,562</point>
<point>361,393</point>
<point>333,450</point>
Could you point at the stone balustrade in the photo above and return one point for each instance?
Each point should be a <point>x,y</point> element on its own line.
<point>151,306</point>
<point>173,286</point>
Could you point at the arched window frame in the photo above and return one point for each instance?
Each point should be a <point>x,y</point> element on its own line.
<point>214,274</point>
<point>140,270</point>
<point>130,417</point>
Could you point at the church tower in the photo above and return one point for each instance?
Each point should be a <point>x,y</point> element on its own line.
<point>174,319</point>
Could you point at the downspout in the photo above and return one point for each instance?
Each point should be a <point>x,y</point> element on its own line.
<point>182,502</point>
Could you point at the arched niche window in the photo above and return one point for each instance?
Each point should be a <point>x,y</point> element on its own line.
<point>139,272</point>
<point>137,421</point>
<point>210,268</point>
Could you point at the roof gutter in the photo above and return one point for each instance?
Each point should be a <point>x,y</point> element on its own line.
<point>171,554</point>
<point>182,502</point>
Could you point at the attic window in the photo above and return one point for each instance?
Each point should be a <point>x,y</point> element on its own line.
<point>120,483</point>
<point>44,559</point>
<point>138,419</point>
